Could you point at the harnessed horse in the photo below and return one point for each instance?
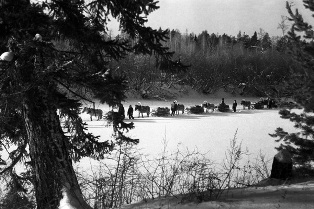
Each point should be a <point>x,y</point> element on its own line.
<point>93,112</point>
<point>208,106</point>
<point>269,102</point>
<point>142,109</point>
<point>246,104</point>
<point>180,107</point>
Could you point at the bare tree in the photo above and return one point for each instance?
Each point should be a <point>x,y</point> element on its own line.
<point>283,26</point>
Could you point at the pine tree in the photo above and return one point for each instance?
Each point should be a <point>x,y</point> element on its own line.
<point>51,53</point>
<point>266,42</point>
<point>301,83</point>
<point>245,39</point>
<point>282,44</point>
<point>254,41</point>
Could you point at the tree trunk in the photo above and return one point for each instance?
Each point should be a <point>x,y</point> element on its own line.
<point>55,182</point>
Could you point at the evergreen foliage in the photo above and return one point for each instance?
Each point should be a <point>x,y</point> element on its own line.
<point>254,40</point>
<point>301,83</point>
<point>16,197</point>
<point>61,51</point>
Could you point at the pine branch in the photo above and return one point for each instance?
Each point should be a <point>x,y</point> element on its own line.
<point>70,90</point>
<point>15,159</point>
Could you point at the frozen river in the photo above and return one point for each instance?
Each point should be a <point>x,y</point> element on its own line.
<point>208,133</point>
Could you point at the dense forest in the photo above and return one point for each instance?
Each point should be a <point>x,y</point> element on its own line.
<point>254,65</point>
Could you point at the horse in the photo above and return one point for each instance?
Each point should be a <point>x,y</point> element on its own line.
<point>246,104</point>
<point>268,102</point>
<point>142,109</point>
<point>208,106</point>
<point>180,107</point>
<point>93,112</point>
<point>271,103</point>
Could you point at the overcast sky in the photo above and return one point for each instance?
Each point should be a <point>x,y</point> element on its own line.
<point>221,16</point>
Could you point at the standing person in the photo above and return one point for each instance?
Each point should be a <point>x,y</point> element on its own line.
<point>269,103</point>
<point>130,112</point>
<point>121,111</point>
<point>173,108</point>
<point>234,106</point>
<point>223,101</point>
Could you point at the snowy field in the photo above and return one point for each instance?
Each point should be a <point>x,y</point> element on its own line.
<point>207,133</point>
<point>211,133</point>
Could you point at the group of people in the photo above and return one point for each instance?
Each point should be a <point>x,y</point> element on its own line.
<point>121,111</point>
<point>234,104</point>
<point>174,107</point>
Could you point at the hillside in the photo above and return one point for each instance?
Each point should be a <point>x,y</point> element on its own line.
<point>169,92</point>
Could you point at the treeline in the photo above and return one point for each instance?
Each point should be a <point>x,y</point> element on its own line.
<point>210,61</point>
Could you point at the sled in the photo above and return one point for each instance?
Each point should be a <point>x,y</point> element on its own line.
<point>223,108</point>
<point>197,109</point>
<point>161,112</point>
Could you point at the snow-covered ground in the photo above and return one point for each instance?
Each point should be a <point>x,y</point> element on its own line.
<point>208,133</point>
<point>294,196</point>
<point>211,133</point>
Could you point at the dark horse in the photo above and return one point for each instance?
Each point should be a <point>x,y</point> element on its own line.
<point>246,104</point>
<point>269,102</point>
<point>180,107</point>
<point>142,109</point>
<point>93,112</point>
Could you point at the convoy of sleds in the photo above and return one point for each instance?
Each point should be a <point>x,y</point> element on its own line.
<point>204,108</point>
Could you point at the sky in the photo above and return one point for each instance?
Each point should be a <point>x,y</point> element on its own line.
<point>222,16</point>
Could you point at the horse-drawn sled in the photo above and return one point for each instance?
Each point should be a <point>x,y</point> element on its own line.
<point>161,112</point>
<point>223,107</point>
<point>197,109</point>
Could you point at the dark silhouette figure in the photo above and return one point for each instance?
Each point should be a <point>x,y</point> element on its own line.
<point>234,106</point>
<point>223,101</point>
<point>121,111</point>
<point>174,107</point>
<point>130,112</point>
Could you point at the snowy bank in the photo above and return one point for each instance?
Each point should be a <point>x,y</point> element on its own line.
<point>293,196</point>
